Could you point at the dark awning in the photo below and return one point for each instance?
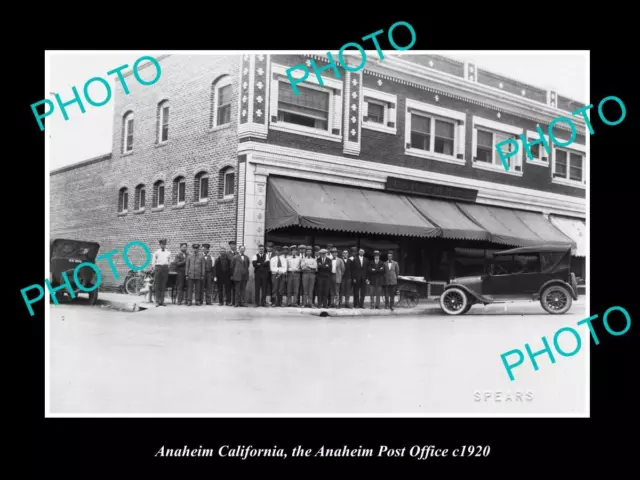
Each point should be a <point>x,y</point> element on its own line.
<point>516,227</point>
<point>452,222</point>
<point>342,208</point>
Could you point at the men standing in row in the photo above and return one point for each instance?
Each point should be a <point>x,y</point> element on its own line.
<point>376,279</point>
<point>261,272</point>
<point>222,268</point>
<point>293,277</point>
<point>278,267</point>
<point>345,285</point>
<point>208,273</point>
<point>391,273</point>
<point>160,266</point>
<point>195,274</point>
<point>359,270</point>
<point>240,276</point>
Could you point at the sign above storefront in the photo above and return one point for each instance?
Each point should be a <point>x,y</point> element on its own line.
<point>402,185</point>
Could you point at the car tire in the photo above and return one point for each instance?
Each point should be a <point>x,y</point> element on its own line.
<point>467,308</point>
<point>556,300</point>
<point>93,297</point>
<point>454,301</point>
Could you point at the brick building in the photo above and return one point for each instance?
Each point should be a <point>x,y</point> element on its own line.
<point>397,156</point>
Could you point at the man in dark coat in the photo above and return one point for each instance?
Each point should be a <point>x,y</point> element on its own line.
<point>391,273</point>
<point>346,285</point>
<point>209,274</point>
<point>230,254</point>
<point>376,278</point>
<point>261,272</point>
<point>180,262</point>
<point>359,269</point>
<point>323,278</point>
<point>240,276</point>
<point>195,275</point>
<point>222,268</point>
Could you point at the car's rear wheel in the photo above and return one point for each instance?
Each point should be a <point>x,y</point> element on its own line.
<point>93,297</point>
<point>556,300</point>
<point>454,301</point>
<point>467,308</point>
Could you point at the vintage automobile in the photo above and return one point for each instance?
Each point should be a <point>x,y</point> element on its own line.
<point>540,273</point>
<point>66,255</point>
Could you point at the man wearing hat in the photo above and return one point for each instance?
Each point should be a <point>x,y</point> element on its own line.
<point>160,266</point>
<point>330,251</point>
<point>308,266</point>
<point>222,269</point>
<point>261,271</point>
<point>208,273</point>
<point>323,278</point>
<point>195,274</point>
<point>391,273</point>
<point>337,272</point>
<point>376,278</point>
<point>345,284</point>
<point>240,276</point>
<point>278,274</point>
<point>293,276</point>
<point>269,254</point>
<point>314,295</point>
<point>359,271</point>
<point>301,251</point>
<point>232,253</point>
<point>180,263</point>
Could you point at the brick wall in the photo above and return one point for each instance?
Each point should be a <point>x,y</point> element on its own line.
<point>84,200</point>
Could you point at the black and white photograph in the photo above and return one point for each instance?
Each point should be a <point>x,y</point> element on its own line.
<point>289,234</point>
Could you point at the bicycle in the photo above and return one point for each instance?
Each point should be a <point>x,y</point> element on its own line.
<point>135,281</point>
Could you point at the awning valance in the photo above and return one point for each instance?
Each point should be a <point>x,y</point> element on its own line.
<point>342,208</point>
<point>574,228</point>
<point>515,227</point>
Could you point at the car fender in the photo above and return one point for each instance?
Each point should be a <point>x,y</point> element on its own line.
<point>468,291</point>
<point>547,284</point>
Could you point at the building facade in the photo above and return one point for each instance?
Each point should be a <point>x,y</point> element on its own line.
<point>398,156</point>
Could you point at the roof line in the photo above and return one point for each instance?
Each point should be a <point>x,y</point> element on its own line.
<point>81,163</point>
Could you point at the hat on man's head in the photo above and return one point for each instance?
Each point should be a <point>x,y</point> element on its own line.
<point>324,250</point>
<point>232,242</point>
<point>302,247</point>
<point>261,246</point>
<point>269,244</point>
<point>163,241</point>
<point>223,246</point>
<point>377,252</point>
<point>195,245</point>
<point>183,244</point>
<point>390,251</point>
<point>354,249</point>
<point>334,249</point>
<point>292,247</point>
<point>285,248</point>
<point>316,248</point>
<point>206,245</point>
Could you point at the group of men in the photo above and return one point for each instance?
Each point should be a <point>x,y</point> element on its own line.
<point>292,276</point>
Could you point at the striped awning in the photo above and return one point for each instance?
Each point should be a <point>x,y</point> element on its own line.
<point>575,228</point>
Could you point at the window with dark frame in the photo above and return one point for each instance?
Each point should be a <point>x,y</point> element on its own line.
<point>484,148</point>
<point>224,105</point>
<point>229,183</point>
<point>182,190</point>
<point>561,164</point>
<point>309,109</point>
<point>420,132</point>
<point>128,133</point>
<point>203,187</point>
<point>575,167</point>
<point>158,197</point>
<point>375,112</point>
<point>444,137</point>
<point>164,123</point>
<point>142,198</point>
<point>123,200</point>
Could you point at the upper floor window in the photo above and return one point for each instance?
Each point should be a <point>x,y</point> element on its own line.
<point>140,200</point>
<point>128,132</point>
<point>179,191</point>
<point>315,112</point>
<point>569,165</point>
<point>158,194</point>
<point>434,132</point>
<point>163,121</point>
<point>379,111</point>
<point>228,177</point>
<point>202,187</point>
<point>539,154</point>
<point>487,134</point>
<point>123,200</point>
<point>222,96</point>
<point>376,112</point>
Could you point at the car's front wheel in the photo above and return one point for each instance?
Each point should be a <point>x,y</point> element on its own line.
<point>556,299</point>
<point>454,301</point>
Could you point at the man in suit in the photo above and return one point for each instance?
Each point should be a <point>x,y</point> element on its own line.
<point>278,274</point>
<point>293,276</point>
<point>240,276</point>
<point>268,255</point>
<point>208,273</point>
<point>195,275</point>
<point>345,284</point>
<point>261,270</point>
<point>180,262</point>
<point>337,269</point>
<point>315,301</point>
<point>323,278</point>
<point>359,269</point>
<point>223,275</point>
<point>376,278</point>
<point>391,273</point>
<point>230,254</point>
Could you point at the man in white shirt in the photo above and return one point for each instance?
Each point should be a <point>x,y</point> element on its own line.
<point>269,253</point>
<point>293,277</point>
<point>160,266</point>
<point>278,275</point>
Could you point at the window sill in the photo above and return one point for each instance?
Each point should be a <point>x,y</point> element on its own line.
<point>227,199</point>
<point>123,214</point>
<point>414,152</point>
<point>157,209</point>
<point>201,203</point>
<point>138,212</point>
<point>496,168</point>
<point>309,132</point>
<point>220,127</point>
<point>538,162</point>
<point>178,207</point>
<point>161,144</point>
<point>570,183</point>
<point>379,128</point>
<point>126,154</point>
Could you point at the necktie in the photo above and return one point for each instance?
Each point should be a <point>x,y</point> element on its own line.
<point>279,263</point>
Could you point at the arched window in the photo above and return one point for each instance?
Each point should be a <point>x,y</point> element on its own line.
<point>227,182</point>
<point>127,138</point>
<point>201,187</point>
<point>123,200</point>
<point>163,121</point>
<point>179,191</point>
<point>140,200</point>
<point>222,96</point>
<point>158,194</point>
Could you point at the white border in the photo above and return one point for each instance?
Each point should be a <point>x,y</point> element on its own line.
<point>47,132</point>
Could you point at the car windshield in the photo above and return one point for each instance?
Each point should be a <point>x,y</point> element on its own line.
<point>513,264</point>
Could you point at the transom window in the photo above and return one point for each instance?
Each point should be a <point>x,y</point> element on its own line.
<point>309,109</point>
<point>569,165</point>
<point>432,134</point>
<point>128,132</point>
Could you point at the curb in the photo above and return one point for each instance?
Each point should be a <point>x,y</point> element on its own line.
<point>367,312</point>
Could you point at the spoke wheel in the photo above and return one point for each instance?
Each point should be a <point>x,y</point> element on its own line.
<point>409,298</point>
<point>556,300</point>
<point>134,285</point>
<point>454,301</point>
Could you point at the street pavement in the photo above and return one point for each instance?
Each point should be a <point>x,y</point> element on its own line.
<point>224,360</point>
